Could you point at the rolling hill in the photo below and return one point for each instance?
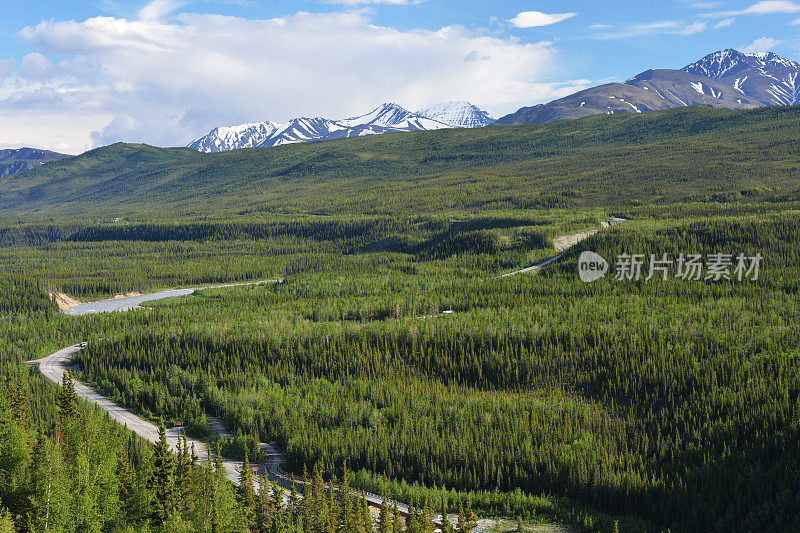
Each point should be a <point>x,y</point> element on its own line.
<point>686,154</point>
<point>15,161</point>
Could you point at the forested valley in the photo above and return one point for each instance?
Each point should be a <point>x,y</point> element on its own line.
<point>391,354</point>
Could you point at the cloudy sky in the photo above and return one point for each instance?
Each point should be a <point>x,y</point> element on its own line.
<point>85,73</point>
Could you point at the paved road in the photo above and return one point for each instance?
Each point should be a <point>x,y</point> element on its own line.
<point>54,365</point>
<point>584,235</point>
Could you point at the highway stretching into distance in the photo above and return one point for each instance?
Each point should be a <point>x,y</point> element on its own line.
<point>53,366</point>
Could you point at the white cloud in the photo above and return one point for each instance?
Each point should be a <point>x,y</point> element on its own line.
<point>362,2</point>
<point>158,9</point>
<point>765,7</point>
<point>764,44</point>
<point>645,29</point>
<point>35,66</point>
<point>795,22</point>
<point>772,6</point>
<point>695,27</point>
<point>6,66</point>
<point>600,27</point>
<point>167,82</point>
<point>532,19</point>
<point>724,23</point>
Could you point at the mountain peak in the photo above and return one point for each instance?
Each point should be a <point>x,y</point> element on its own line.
<point>388,117</point>
<point>458,114</point>
<point>764,76</point>
<point>717,64</point>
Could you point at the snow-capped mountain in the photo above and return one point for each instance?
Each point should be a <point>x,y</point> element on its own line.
<point>458,115</point>
<point>395,117</point>
<point>230,137</point>
<point>386,118</point>
<point>766,77</point>
<point>728,79</point>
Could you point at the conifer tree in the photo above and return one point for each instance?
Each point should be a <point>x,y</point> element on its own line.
<point>397,525</point>
<point>183,476</point>
<point>19,402</point>
<point>6,522</point>
<point>365,523</point>
<point>162,480</point>
<point>264,506</point>
<point>294,501</point>
<point>126,492</point>
<point>345,517</point>
<point>246,494</point>
<point>427,525</point>
<point>279,522</point>
<point>447,526</point>
<point>67,398</point>
<point>385,517</point>
<point>466,519</point>
<point>470,522</point>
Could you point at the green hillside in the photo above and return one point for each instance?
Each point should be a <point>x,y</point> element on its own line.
<point>15,161</point>
<point>692,154</point>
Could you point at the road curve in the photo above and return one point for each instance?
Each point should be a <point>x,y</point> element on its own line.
<point>576,238</point>
<point>53,366</point>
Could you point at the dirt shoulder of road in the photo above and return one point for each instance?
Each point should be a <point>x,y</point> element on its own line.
<point>66,302</point>
<point>63,301</point>
<point>122,295</point>
<point>565,242</point>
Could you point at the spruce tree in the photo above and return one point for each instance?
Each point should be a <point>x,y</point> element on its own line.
<point>67,398</point>
<point>427,525</point>
<point>183,476</point>
<point>464,518</point>
<point>162,480</point>
<point>126,492</point>
<point>447,526</point>
<point>294,501</point>
<point>6,522</point>
<point>279,523</point>
<point>246,494</point>
<point>397,525</point>
<point>385,517</point>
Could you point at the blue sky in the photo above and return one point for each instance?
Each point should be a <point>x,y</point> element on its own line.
<point>78,74</point>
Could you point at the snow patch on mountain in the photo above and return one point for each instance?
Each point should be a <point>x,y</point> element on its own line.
<point>764,76</point>
<point>458,115</point>
<point>386,118</point>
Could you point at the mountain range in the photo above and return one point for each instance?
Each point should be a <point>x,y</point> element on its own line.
<point>14,161</point>
<point>686,154</point>
<point>387,118</point>
<point>729,79</point>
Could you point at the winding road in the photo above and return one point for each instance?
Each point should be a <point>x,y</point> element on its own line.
<point>53,366</point>
<point>562,244</point>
